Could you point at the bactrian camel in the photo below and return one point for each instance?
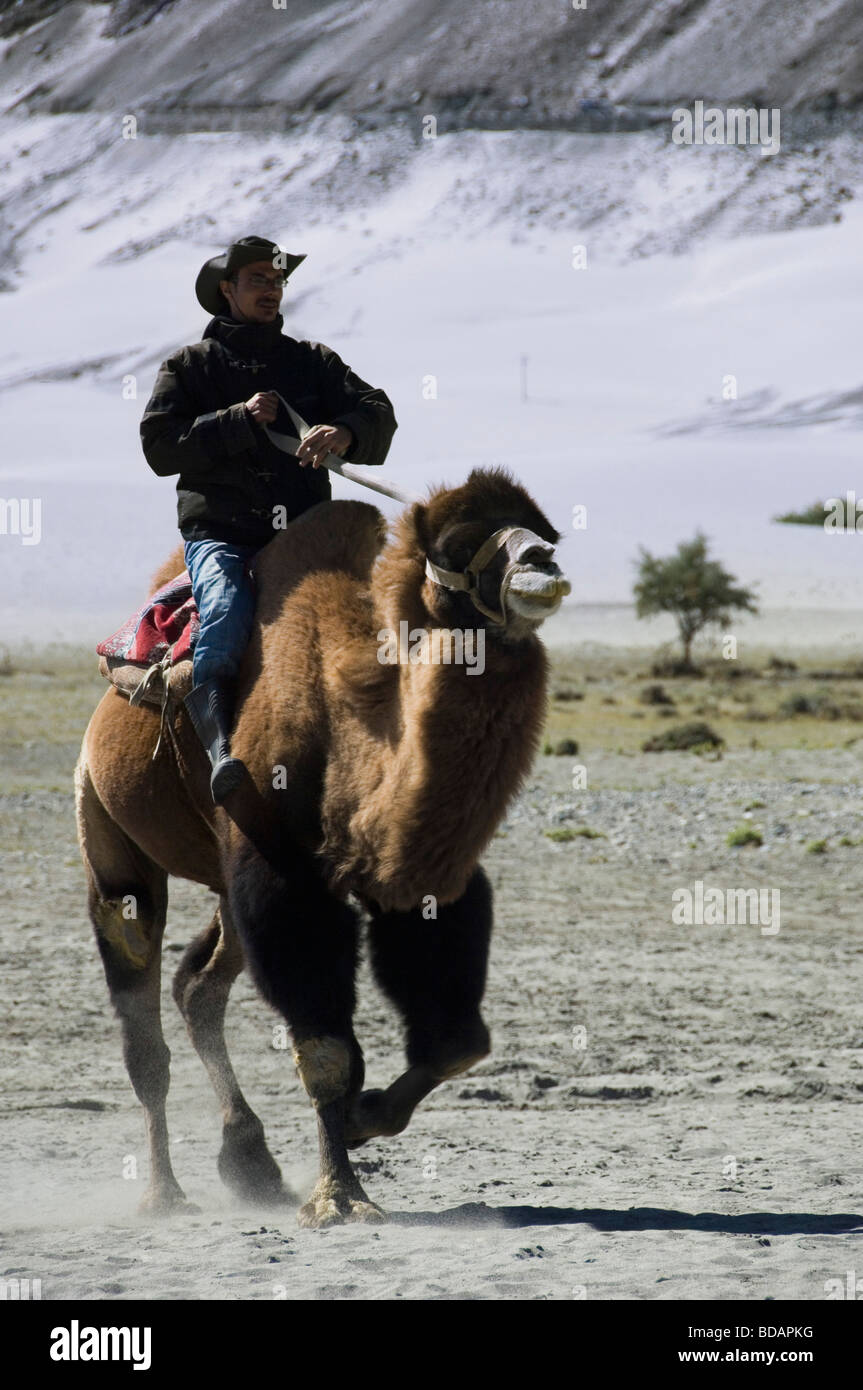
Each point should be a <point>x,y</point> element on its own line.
<point>371,789</point>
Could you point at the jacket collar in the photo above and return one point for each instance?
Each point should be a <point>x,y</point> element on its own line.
<point>245,338</point>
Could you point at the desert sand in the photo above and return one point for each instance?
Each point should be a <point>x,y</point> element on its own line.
<point>668,1112</point>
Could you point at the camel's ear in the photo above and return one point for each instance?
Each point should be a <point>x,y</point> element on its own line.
<point>419,522</point>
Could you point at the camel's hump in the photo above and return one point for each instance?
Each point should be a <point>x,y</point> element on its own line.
<point>340,535</point>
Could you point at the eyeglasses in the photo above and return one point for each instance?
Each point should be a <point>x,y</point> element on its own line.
<point>265,282</point>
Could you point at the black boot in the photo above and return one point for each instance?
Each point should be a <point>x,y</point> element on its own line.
<point>208,708</point>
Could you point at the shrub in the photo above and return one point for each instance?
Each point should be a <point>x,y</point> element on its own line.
<point>669,667</point>
<point>655,694</point>
<point>744,835</point>
<point>819,706</point>
<point>696,734</point>
<point>812,516</point>
<point>582,832</point>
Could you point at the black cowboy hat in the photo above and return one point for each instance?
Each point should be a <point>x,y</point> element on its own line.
<point>239,253</point>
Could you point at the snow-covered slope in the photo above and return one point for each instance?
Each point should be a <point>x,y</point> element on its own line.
<point>448,258</point>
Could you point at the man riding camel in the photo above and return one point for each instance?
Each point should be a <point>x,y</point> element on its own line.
<point>205,421</point>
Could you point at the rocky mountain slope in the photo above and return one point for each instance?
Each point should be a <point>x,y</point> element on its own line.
<point>507,61</point>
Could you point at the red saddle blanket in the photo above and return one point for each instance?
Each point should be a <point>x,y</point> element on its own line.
<point>168,622</point>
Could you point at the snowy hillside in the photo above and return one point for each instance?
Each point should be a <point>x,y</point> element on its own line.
<point>448,257</point>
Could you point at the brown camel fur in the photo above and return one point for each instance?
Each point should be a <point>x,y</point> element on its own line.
<point>370,789</point>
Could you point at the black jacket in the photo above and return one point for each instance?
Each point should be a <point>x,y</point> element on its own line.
<point>231,475</point>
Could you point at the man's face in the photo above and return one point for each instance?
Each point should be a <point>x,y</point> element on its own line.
<point>256,293</point>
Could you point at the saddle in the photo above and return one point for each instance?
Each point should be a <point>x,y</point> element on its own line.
<point>149,659</point>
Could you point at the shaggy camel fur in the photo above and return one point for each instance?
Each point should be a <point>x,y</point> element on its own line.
<point>370,789</point>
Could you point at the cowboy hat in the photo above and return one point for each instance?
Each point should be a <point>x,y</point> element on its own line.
<point>239,253</point>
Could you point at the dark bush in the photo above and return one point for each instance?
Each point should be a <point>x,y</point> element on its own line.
<point>819,706</point>
<point>671,667</point>
<point>655,695</point>
<point>694,735</point>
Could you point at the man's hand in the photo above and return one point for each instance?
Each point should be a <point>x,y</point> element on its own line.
<point>263,407</point>
<point>322,440</point>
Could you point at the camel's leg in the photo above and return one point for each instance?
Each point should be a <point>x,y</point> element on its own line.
<point>209,967</point>
<point>434,972</point>
<point>128,898</point>
<point>300,944</point>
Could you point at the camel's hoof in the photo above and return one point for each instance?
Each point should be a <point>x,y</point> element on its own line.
<point>263,1194</point>
<point>370,1118</point>
<point>166,1201</point>
<point>332,1204</point>
<point>248,1168</point>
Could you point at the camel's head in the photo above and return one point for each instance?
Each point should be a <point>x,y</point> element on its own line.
<point>489,556</point>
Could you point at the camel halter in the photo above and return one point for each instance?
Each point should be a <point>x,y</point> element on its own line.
<point>468,579</point>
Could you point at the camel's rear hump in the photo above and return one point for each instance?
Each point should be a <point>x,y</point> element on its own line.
<point>168,570</point>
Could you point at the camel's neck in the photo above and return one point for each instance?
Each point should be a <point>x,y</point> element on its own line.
<point>467,742</point>
<point>468,732</point>
<point>455,743</point>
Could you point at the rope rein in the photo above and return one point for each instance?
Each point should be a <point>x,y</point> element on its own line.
<point>289,444</point>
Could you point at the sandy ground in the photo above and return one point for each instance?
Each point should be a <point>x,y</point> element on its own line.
<point>700,1138</point>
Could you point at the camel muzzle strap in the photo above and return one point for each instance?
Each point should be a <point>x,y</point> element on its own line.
<point>526,542</point>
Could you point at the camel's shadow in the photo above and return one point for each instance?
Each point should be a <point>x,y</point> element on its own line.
<point>636,1219</point>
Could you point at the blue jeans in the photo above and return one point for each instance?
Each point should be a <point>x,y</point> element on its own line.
<point>225,595</point>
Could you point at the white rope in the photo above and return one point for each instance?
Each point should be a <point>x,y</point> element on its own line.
<point>289,444</point>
